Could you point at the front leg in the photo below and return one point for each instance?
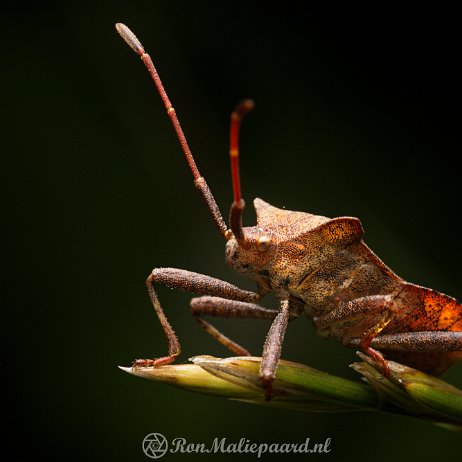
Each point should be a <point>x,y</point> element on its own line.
<point>190,282</point>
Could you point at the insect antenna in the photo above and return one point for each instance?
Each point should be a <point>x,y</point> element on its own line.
<point>199,181</point>
<point>237,207</point>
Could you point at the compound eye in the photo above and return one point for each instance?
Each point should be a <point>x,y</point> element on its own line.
<point>263,243</point>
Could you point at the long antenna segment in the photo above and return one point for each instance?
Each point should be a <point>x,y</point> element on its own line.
<point>237,207</point>
<point>199,181</point>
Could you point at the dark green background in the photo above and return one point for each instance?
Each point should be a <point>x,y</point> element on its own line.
<point>356,115</point>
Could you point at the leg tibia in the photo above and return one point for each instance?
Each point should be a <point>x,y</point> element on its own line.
<point>272,348</point>
<point>216,306</point>
<point>193,282</point>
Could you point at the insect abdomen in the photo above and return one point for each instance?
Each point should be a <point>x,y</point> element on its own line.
<point>418,309</point>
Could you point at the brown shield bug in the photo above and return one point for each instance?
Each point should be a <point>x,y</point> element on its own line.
<point>314,265</point>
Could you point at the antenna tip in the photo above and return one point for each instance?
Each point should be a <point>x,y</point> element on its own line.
<point>130,38</point>
<point>244,107</point>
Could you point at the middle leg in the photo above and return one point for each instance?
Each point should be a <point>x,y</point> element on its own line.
<point>217,306</point>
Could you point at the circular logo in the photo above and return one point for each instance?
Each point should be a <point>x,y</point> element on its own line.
<point>155,445</point>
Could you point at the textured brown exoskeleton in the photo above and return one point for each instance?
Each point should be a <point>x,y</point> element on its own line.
<point>314,265</point>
